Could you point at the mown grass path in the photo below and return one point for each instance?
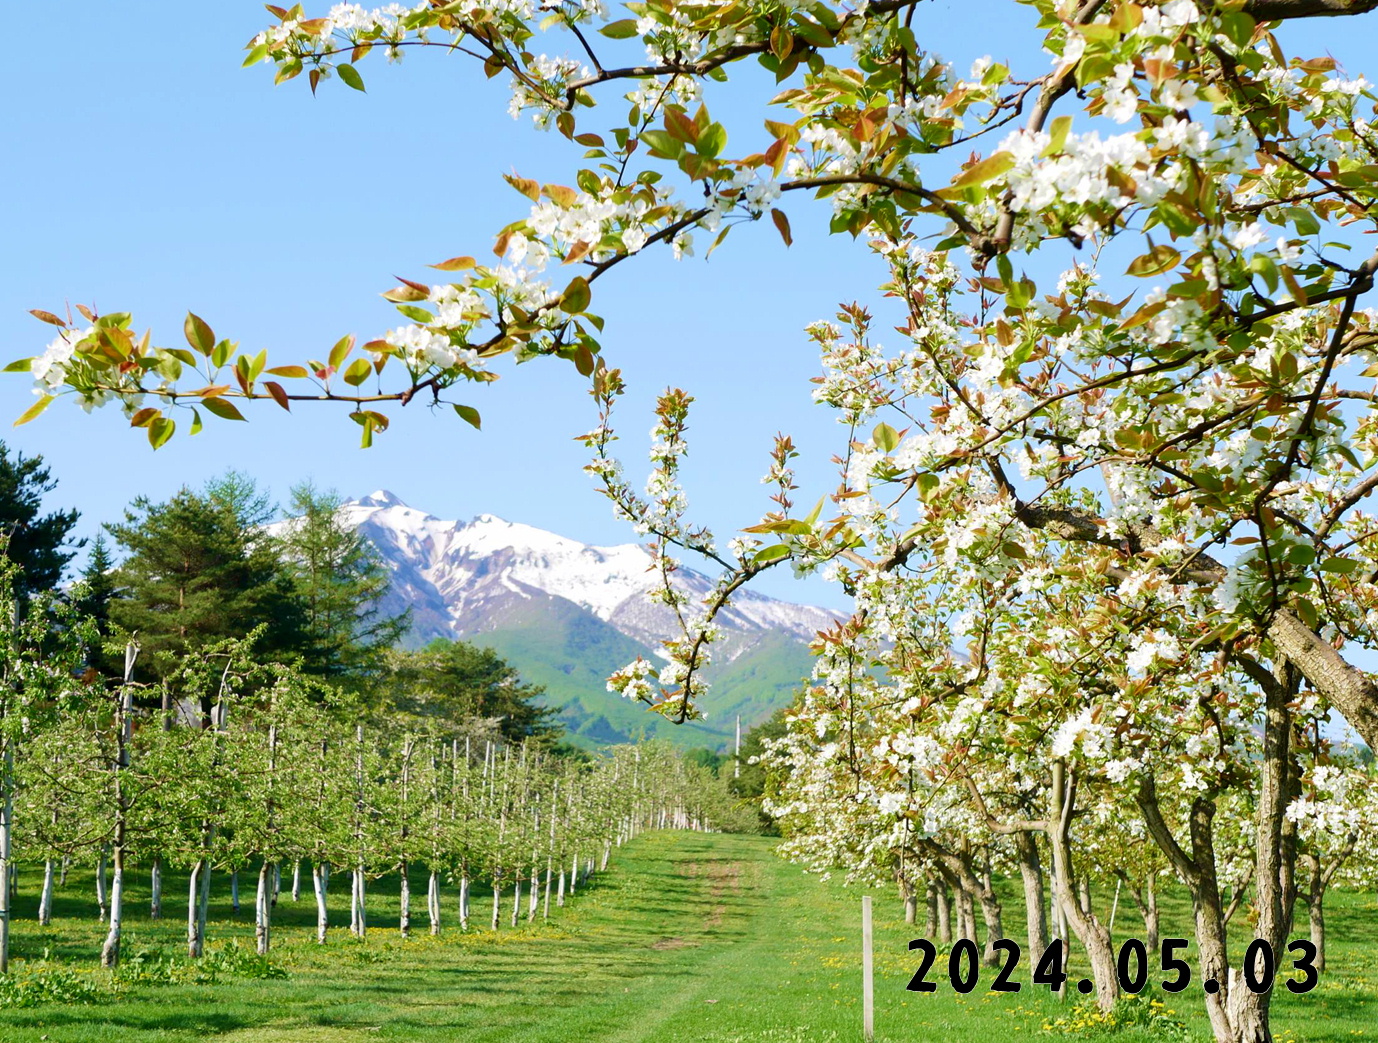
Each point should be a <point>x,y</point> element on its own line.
<point>688,937</point>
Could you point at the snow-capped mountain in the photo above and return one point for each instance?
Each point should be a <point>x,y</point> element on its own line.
<point>464,578</point>
<point>567,615</point>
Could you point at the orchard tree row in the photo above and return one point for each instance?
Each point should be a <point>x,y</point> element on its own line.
<point>288,774</point>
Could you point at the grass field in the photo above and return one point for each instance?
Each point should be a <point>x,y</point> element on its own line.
<point>688,937</point>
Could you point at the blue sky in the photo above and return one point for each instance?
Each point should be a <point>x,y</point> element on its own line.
<point>149,173</point>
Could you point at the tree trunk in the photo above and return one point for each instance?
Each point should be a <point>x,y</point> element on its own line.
<point>1084,924</point>
<point>203,905</point>
<point>1035,914</point>
<point>516,898</point>
<point>944,900</point>
<point>45,899</point>
<point>319,882</point>
<point>234,891</point>
<point>433,901</point>
<point>966,917</point>
<point>497,904</point>
<point>102,901</point>
<point>930,924</point>
<point>545,915</point>
<point>1316,916</point>
<point>155,877</point>
<point>464,902</point>
<point>195,939</point>
<point>263,903</point>
<point>560,894</point>
<point>404,917</point>
<point>110,951</point>
<point>296,880</point>
<point>358,903</point>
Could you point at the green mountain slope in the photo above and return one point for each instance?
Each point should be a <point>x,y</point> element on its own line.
<point>554,643</point>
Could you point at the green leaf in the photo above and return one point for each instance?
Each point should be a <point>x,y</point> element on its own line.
<point>196,424</point>
<point>342,348</point>
<point>470,416</point>
<point>358,372</point>
<point>198,334</point>
<point>221,408</point>
<point>988,169</point>
<point>1057,135</point>
<point>1160,259</point>
<point>622,29</point>
<point>351,76</point>
<point>1301,554</point>
<point>19,366</point>
<point>577,296</point>
<point>885,437</point>
<point>775,552</point>
<point>160,431</point>
<point>713,140</point>
<point>256,55</point>
<point>1344,566</point>
<point>34,410</point>
<point>660,141</point>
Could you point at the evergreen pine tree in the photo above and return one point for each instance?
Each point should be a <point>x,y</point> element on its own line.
<point>454,680</point>
<point>339,578</point>
<point>194,574</point>
<point>37,543</point>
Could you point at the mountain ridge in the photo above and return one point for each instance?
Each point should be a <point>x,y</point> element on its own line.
<point>567,614</point>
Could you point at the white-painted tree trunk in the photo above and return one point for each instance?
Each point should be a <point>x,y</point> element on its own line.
<point>110,951</point>
<point>433,901</point>
<point>535,897</point>
<point>464,902</point>
<point>497,904</point>
<point>404,918</point>
<point>102,900</point>
<point>155,884</point>
<point>360,918</point>
<point>296,880</point>
<point>45,899</point>
<point>545,915</point>
<point>124,732</point>
<point>263,902</point>
<point>516,899</point>
<point>319,882</point>
<point>560,896</point>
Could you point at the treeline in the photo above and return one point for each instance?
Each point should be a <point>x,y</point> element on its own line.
<point>227,698</point>
<point>210,565</point>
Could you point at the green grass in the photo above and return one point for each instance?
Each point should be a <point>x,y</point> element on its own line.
<point>688,937</point>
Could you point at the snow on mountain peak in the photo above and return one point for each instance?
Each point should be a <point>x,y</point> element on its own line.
<point>378,498</point>
<point>459,568</point>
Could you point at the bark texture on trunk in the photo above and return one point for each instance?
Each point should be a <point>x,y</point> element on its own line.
<point>1084,923</point>
<point>1031,874</point>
